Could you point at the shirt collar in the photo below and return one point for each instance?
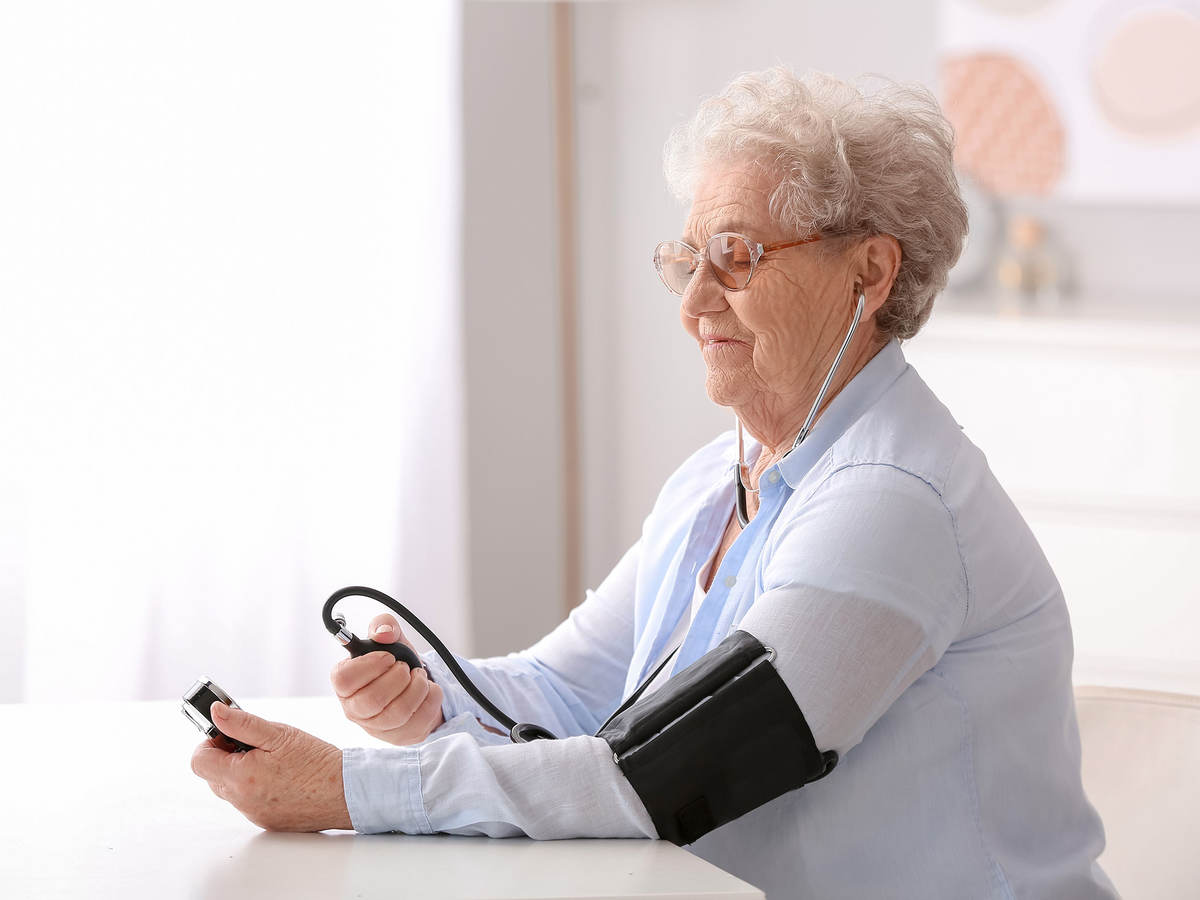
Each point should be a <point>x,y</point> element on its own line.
<point>851,402</point>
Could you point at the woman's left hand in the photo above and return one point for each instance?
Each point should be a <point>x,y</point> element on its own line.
<point>292,781</point>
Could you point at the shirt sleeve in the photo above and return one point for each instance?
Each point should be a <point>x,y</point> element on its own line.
<point>471,782</point>
<point>862,593</point>
<point>571,679</point>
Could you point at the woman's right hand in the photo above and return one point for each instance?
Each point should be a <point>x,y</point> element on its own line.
<point>381,694</point>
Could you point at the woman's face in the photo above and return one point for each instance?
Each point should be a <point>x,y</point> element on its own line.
<point>766,345</point>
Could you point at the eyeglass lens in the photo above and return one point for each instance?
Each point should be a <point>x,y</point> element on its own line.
<point>729,256</point>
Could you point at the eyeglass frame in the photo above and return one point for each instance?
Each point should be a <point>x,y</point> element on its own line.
<point>757,251</point>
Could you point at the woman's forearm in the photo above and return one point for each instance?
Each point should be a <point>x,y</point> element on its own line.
<point>467,784</point>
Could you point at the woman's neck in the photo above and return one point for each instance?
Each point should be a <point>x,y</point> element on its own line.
<point>776,420</point>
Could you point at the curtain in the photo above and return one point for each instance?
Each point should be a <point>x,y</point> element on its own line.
<point>229,345</point>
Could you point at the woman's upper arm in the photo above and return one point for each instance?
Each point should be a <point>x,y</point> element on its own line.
<point>864,590</point>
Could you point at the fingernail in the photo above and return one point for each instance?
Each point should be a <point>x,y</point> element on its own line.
<point>219,709</point>
<point>384,629</point>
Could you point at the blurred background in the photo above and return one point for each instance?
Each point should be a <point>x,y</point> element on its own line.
<point>296,296</point>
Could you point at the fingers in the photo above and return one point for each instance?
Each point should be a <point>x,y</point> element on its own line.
<point>425,719</point>
<point>385,629</point>
<point>397,725</point>
<point>399,710</point>
<point>210,763</point>
<point>351,675</point>
<point>371,700</point>
<point>247,727</point>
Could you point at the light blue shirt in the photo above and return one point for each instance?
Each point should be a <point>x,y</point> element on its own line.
<point>917,624</point>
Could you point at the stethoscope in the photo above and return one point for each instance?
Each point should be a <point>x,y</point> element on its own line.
<point>742,513</point>
<point>523,732</point>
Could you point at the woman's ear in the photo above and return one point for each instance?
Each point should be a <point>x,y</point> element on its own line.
<point>876,265</point>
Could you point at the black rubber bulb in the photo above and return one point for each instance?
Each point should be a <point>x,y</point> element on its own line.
<point>404,653</point>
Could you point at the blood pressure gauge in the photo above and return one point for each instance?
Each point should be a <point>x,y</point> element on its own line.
<point>197,706</point>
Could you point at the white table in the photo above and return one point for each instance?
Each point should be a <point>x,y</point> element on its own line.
<point>99,801</point>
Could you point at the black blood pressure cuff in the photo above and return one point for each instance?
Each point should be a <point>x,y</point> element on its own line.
<point>718,739</point>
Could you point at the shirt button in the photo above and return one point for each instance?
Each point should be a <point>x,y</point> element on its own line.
<point>773,477</point>
<point>730,581</point>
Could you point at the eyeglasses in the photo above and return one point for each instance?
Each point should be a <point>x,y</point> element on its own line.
<point>732,257</point>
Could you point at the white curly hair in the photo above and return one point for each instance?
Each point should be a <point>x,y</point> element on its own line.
<point>849,162</point>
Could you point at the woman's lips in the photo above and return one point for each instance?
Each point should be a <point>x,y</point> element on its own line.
<point>721,343</point>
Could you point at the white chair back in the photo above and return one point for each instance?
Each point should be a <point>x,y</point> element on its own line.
<point>1141,770</point>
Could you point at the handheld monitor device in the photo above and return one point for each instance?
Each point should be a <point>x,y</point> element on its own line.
<point>197,706</point>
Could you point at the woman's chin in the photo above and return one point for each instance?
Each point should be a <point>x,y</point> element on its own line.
<point>722,390</point>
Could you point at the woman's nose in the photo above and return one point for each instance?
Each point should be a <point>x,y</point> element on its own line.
<point>704,293</point>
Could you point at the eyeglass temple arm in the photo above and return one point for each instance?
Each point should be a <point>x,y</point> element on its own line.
<point>785,244</point>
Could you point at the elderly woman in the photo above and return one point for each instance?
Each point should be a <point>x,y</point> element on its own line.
<point>882,651</point>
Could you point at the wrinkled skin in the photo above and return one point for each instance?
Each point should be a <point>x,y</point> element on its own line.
<point>291,782</point>
<point>786,326</point>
